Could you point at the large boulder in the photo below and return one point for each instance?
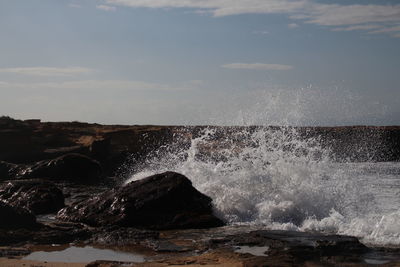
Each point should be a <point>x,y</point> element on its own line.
<point>39,197</point>
<point>162,201</point>
<point>14,217</point>
<point>72,167</point>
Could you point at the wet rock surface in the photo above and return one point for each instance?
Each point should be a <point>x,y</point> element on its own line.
<point>8,170</point>
<point>162,201</point>
<point>292,239</point>
<point>300,247</point>
<point>70,167</point>
<point>219,247</point>
<point>37,196</point>
<point>45,234</point>
<point>15,217</point>
<point>209,247</point>
<point>122,236</point>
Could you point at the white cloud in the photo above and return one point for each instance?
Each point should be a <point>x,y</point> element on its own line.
<point>106,8</point>
<point>261,32</point>
<point>74,5</point>
<point>97,85</point>
<point>47,71</point>
<point>219,7</point>
<point>293,25</point>
<point>330,15</point>
<point>257,66</point>
<point>394,29</point>
<point>339,15</point>
<point>358,27</point>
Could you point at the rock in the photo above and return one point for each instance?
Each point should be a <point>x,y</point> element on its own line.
<point>60,233</point>
<point>39,197</point>
<point>100,149</point>
<point>53,233</point>
<point>161,201</point>
<point>7,170</point>
<point>122,236</point>
<point>14,217</point>
<point>71,167</point>
<point>11,252</point>
<point>300,245</point>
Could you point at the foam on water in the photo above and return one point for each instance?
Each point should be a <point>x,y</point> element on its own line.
<point>273,178</point>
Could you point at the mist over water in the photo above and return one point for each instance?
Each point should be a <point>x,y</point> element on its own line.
<point>272,178</point>
<point>292,107</point>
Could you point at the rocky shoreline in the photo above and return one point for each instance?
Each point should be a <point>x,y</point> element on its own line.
<point>30,141</point>
<point>222,246</point>
<point>59,184</point>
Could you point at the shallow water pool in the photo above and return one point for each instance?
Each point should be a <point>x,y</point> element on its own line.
<point>83,255</point>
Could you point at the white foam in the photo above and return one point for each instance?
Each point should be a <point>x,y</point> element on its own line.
<point>276,179</point>
<point>267,184</point>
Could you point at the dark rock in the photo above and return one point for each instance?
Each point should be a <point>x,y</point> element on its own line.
<point>15,236</point>
<point>123,236</point>
<point>100,149</point>
<point>39,197</point>
<point>53,233</point>
<point>8,170</point>
<point>71,167</point>
<point>301,245</point>
<point>13,252</point>
<point>168,246</point>
<point>14,217</point>
<point>162,201</point>
<point>61,233</point>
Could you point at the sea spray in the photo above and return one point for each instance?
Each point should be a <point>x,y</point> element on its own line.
<point>279,178</point>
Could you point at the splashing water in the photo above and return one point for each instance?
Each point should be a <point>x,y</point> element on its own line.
<point>273,177</point>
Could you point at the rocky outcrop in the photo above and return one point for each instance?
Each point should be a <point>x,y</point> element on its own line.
<point>39,197</point>
<point>49,234</point>
<point>23,142</point>
<point>161,201</point>
<point>8,170</point>
<point>14,217</point>
<point>70,167</point>
<point>227,246</point>
<point>302,244</point>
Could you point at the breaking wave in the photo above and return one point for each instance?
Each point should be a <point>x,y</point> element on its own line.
<point>274,178</point>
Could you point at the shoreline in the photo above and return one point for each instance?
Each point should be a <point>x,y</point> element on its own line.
<point>28,141</point>
<point>74,170</point>
<point>230,246</point>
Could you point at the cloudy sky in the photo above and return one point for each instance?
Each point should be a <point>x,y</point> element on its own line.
<point>308,62</point>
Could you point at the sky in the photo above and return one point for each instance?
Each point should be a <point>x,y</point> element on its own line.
<point>174,62</point>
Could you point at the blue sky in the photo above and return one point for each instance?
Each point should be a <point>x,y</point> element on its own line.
<point>304,62</point>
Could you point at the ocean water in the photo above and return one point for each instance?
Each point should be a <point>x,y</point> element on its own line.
<point>277,180</point>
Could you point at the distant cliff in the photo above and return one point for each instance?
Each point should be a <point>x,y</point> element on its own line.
<point>33,140</point>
